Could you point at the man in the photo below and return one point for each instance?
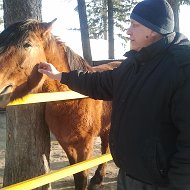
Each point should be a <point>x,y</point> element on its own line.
<point>150,91</point>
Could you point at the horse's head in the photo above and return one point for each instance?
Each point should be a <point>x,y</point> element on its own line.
<point>21,49</point>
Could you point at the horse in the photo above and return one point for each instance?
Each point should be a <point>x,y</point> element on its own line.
<point>74,123</point>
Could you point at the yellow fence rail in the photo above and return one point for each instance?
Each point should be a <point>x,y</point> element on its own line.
<point>59,174</point>
<point>47,97</point>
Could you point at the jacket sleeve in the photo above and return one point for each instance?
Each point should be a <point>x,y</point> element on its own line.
<point>179,173</point>
<point>97,85</point>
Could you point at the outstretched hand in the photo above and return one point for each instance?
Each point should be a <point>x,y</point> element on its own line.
<point>49,70</point>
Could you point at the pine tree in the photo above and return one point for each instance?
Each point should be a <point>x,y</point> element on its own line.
<point>97,13</point>
<point>1,15</point>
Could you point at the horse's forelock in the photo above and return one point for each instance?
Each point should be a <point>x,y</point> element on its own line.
<point>16,33</point>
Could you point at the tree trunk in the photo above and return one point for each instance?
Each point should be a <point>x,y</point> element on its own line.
<point>175,6</point>
<point>19,10</point>
<point>84,31</point>
<point>28,138</point>
<point>27,144</point>
<point>110,30</point>
<point>105,19</point>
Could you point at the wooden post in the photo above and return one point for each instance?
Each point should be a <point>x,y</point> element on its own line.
<point>27,144</point>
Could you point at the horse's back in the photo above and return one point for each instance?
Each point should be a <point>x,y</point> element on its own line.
<point>107,66</point>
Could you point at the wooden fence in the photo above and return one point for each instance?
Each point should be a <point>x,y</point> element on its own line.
<point>67,171</point>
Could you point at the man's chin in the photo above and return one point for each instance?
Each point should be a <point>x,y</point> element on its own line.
<point>134,48</point>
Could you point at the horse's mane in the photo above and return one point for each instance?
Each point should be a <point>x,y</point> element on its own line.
<point>16,33</point>
<point>76,62</point>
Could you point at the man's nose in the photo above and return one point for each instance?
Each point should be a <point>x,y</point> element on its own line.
<point>129,31</point>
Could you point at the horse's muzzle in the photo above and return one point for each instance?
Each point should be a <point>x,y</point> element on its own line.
<point>5,95</point>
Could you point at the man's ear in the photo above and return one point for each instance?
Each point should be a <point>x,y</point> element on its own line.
<point>155,35</point>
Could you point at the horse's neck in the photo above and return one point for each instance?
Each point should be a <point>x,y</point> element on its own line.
<point>63,57</point>
<point>56,54</point>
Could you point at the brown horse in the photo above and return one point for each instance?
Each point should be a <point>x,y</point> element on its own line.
<point>74,123</point>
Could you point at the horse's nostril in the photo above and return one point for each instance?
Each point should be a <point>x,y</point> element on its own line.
<point>6,89</point>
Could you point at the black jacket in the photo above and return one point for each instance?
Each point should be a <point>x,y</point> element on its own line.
<point>150,90</point>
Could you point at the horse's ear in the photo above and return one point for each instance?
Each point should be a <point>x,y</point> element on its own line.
<point>47,26</point>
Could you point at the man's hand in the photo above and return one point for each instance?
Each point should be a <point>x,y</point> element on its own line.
<point>49,70</point>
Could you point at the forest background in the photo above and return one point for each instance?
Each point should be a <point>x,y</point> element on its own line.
<point>67,27</point>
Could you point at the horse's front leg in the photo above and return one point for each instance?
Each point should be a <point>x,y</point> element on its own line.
<point>77,153</point>
<point>97,179</point>
<point>81,180</point>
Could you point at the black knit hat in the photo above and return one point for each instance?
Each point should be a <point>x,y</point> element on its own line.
<point>154,14</point>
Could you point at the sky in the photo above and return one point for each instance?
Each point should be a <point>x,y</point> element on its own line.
<point>184,16</point>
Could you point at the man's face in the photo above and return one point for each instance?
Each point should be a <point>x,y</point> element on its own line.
<point>140,36</point>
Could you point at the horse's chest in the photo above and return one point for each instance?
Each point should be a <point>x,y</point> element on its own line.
<point>73,112</point>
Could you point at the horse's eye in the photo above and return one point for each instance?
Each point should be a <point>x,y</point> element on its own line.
<point>27,45</point>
